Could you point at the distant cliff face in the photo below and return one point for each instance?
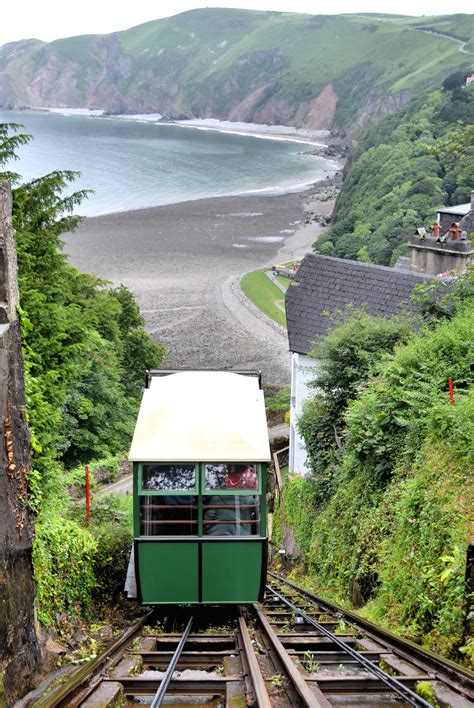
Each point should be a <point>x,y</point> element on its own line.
<point>312,72</point>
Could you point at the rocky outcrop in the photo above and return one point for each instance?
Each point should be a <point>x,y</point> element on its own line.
<point>241,111</point>
<point>19,649</point>
<point>318,114</point>
<point>378,105</point>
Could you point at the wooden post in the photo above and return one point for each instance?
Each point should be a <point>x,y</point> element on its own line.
<point>88,497</point>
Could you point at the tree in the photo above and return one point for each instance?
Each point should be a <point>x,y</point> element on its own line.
<point>84,345</point>
<point>406,167</point>
<point>346,357</point>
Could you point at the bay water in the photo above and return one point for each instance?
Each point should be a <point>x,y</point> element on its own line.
<point>134,164</point>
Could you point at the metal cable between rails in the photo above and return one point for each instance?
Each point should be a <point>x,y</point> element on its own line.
<point>407,694</point>
<point>165,681</point>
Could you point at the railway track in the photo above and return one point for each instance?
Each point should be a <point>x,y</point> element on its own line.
<point>295,650</point>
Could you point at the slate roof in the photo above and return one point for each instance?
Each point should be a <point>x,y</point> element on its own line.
<point>325,284</point>
<point>459,209</point>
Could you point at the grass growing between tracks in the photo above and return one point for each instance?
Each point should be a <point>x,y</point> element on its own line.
<point>386,530</point>
<point>265,295</point>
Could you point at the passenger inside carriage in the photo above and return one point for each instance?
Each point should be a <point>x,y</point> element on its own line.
<point>232,514</point>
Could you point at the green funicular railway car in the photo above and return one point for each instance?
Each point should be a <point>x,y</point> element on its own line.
<point>200,452</point>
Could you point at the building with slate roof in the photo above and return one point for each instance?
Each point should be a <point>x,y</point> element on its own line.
<point>447,247</point>
<point>322,286</point>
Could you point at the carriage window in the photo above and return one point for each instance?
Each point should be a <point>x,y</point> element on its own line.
<point>168,515</point>
<point>169,477</point>
<point>225,476</point>
<point>231,515</point>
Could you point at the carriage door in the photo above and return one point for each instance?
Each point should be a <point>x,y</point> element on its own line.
<point>233,550</point>
<point>166,552</point>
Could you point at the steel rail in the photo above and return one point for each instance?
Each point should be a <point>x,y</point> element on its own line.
<point>165,681</point>
<point>312,698</point>
<point>407,649</point>
<point>406,693</point>
<point>260,690</point>
<point>63,692</point>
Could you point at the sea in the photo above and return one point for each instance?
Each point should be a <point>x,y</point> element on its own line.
<point>138,163</point>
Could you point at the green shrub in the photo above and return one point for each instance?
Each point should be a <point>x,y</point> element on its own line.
<point>391,531</point>
<point>77,566</point>
<point>395,410</point>
<point>278,402</point>
<point>63,558</point>
<point>346,358</point>
<point>297,504</point>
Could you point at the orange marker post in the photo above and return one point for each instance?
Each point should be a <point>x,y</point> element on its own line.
<point>451,393</point>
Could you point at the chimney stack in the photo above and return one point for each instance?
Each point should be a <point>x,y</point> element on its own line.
<point>447,247</point>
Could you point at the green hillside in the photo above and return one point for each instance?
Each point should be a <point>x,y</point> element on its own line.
<point>383,517</point>
<point>408,165</point>
<point>313,71</point>
<point>460,27</point>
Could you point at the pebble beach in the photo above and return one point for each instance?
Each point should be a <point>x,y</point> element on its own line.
<point>184,262</point>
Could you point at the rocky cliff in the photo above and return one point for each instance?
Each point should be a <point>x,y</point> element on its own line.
<point>276,68</point>
<point>19,650</point>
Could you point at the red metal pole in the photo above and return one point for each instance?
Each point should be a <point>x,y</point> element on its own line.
<point>88,496</point>
<point>451,394</point>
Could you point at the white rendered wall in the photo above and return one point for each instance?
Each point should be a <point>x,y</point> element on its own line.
<point>302,371</point>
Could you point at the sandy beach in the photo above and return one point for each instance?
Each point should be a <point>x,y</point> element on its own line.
<point>184,262</point>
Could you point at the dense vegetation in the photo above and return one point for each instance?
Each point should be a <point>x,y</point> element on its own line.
<point>383,518</point>
<point>407,165</point>
<point>85,352</point>
<point>197,63</point>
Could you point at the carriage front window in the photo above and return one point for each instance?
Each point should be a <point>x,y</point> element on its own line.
<point>230,476</point>
<point>168,515</point>
<point>168,477</point>
<point>168,501</point>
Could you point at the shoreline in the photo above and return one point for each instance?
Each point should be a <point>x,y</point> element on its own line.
<point>300,189</point>
<point>261,131</point>
<point>318,199</point>
<point>333,160</point>
<point>184,261</point>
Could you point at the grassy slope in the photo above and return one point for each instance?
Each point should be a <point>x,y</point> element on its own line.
<point>264,295</point>
<point>459,27</point>
<point>21,71</point>
<point>284,282</point>
<point>400,543</point>
<point>304,53</point>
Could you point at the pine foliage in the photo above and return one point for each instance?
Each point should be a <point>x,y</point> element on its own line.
<point>84,346</point>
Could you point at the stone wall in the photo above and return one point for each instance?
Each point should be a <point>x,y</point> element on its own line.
<point>19,649</point>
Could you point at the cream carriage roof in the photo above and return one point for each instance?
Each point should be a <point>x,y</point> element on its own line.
<point>193,416</point>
